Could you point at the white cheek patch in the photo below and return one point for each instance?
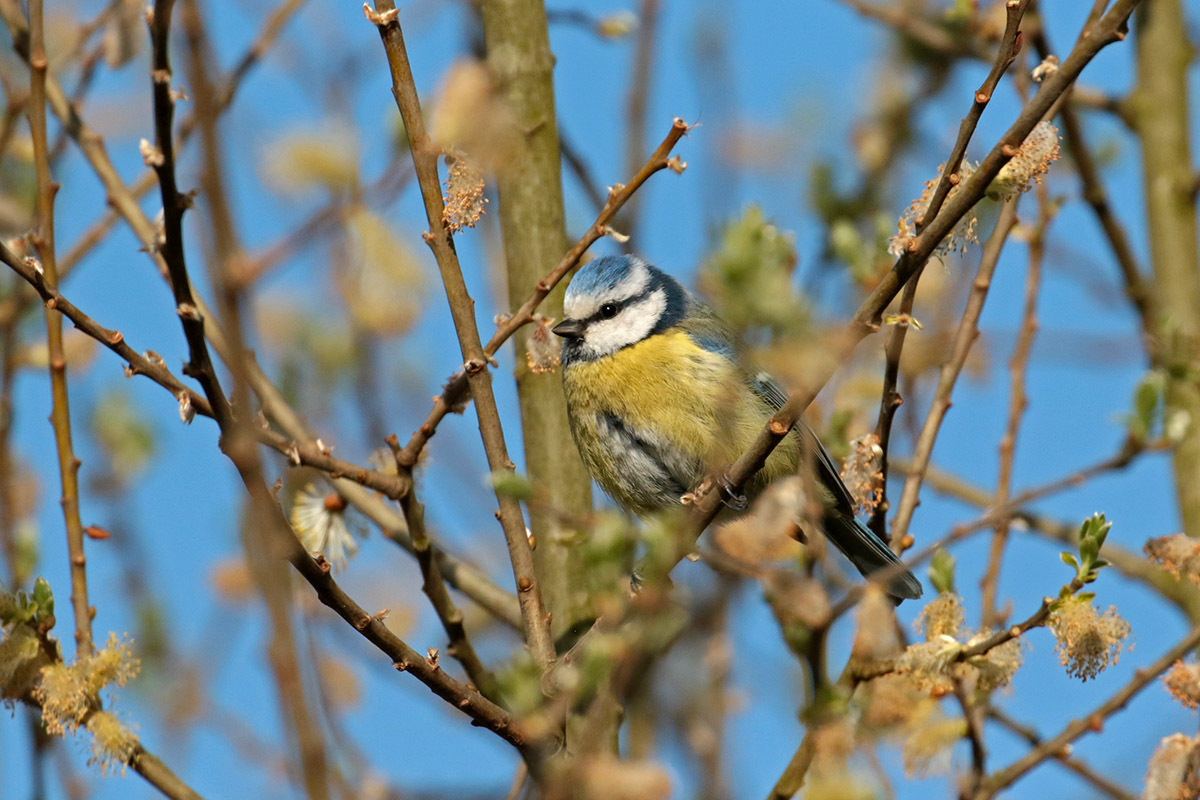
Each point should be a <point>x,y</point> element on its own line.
<point>630,326</point>
<point>577,306</point>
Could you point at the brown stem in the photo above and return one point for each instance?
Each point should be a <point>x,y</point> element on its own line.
<point>866,320</point>
<point>271,578</point>
<point>455,391</point>
<point>462,309</point>
<point>1160,108</point>
<point>1076,765</point>
<point>434,587</point>
<point>973,714</point>
<point>1094,721</point>
<point>640,80</point>
<point>1018,401</point>
<point>890,399</point>
<point>792,779</point>
<point>533,227</point>
<point>174,204</point>
<point>1010,45</point>
<point>60,415</point>
<point>305,446</point>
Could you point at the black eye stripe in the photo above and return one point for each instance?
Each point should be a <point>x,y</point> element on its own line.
<point>621,305</point>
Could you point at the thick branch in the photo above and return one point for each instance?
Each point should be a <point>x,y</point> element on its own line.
<point>534,232</point>
<point>1161,114</point>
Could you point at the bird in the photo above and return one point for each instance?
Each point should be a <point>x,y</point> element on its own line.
<point>657,396</point>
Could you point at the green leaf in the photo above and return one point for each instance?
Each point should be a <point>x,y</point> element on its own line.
<point>1089,548</point>
<point>1147,404</point>
<point>43,598</point>
<point>1069,560</point>
<point>941,571</point>
<point>510,484</point>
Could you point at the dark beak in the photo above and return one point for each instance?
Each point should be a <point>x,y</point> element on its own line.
<point>569,329</point>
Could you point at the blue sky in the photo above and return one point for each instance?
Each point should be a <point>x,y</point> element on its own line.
<point>805,70</point>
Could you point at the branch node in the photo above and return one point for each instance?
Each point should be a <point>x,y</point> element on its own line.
<point>380,20</point>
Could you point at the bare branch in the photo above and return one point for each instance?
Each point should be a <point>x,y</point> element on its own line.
<point>866,320</point>
<point>1094,721</point>
<point>60,416</point>
<point>462,308</point>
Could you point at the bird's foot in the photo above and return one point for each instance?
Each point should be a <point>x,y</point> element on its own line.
<point>730,496</point>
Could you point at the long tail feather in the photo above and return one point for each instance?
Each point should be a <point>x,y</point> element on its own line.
<point>868,554</point>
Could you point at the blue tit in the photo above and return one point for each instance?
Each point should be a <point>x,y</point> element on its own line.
<point>656,397</point>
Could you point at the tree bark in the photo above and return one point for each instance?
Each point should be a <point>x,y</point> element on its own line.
<point>534,231</point>
<point>1160,114</point>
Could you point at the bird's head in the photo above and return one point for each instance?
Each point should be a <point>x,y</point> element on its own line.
<point>614,302</point>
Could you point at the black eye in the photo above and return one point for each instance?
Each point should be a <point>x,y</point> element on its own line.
<point>609,310</point>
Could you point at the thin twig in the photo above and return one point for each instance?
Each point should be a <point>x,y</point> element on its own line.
<point>455,391</point>
<point>890,400</point>
<point>641,78</point>
<point>462,308</point>
<point>580,169</point>
<point>253,267</point>
<point>1076,765</point>
<point>1017,403</point>
<point>146,764</point>
<point>919,28</point>
<point>1132,564</point>
<point>964,338</point>
<point>480,709</point>
<point>1010,45</point>
<point>60,416</point>
<point>792,778</point>
<point>1120,460</point>
<point>270,576</point>
<point>973,714</point>
<point>1089,722</point>
<point>162,159</point>
<point>867,319</point>
<point>1096,197</point>
<point>868,670</point>
<point>434,587</point>
<point>305,447</point>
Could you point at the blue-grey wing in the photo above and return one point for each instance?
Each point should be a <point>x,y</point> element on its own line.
<point>769,390</point>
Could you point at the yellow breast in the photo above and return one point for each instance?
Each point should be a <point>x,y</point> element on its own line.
<point>683,395</point>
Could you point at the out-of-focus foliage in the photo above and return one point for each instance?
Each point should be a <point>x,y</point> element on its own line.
<point>749,278</point>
